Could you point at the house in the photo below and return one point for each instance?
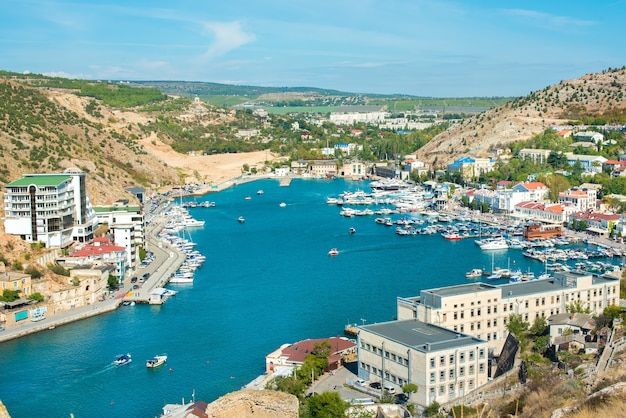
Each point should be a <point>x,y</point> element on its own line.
<point>471,168</point>
<point>589,136</point>
<point>537,156</point>
<point>592,164</point>
<point>596,223</point>
<point>444,364</point>
<point>293,355</point>
<point>580,199</point>
<point>101,252</point>
<point>50,208</point>
<point>543,212</point>
<point>18,282</point>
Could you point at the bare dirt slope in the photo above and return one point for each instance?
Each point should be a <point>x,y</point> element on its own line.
<point>482,135</point>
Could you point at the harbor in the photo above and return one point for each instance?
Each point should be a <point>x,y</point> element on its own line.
<point>217,330</point>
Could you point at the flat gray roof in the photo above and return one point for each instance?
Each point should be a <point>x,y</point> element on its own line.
<point>462,289</point>
<point>421,336</point>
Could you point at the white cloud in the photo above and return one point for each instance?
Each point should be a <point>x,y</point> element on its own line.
<point>228,36</point>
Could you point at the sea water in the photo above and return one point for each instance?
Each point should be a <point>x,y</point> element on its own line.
<point>266,282</point>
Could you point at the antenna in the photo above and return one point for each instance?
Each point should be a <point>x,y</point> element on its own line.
<point>363,320</point>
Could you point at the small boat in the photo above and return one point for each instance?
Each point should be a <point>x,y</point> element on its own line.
<point>474,273</point>
<point>453,236</point>
<point>156,361</point>
<point>122,359</point>
<point>260,192</point>
<point>352,230</point>
<point>282,204</point>
<point>248,198</point>
<point>241,219</point>
<point>333,251</point>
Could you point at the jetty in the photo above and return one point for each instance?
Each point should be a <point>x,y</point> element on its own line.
<point>285,182</point>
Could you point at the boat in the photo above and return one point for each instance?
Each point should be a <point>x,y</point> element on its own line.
<point>248,198</point>
<point>493,244</point>
<point>352,230</point>
<point>260,192</point>
<point>282,204</point>
<point>474,273</point>
<point>181,279</point>
<point>241,219</point>
<point>452,236</point>
<point>333,251</point>
<point>156,361</point>
<point>122,359</point>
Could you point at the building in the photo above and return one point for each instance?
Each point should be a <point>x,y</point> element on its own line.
<point>471,168</point>
<point>481,309</point>
<point>293,355</point>
<point>50,208</point>
<point>102,252</point>
<point>592,164</point>
<point>597,223</point>
<point>18,282</point>
<point>354,168</point>
<point>537,156</point>
<point>444,364</point>
<point>126,225</point>
<point>542,212</point>
<point>579,199</point>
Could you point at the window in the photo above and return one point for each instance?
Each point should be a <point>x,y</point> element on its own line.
<point>432,362</point>
<point>478,312</point>
<point>432,392</point>
<point>442,389</point>
<point>481,368</point>
<point>432,377</point>
<point>451,374</point>
<point>455,315</point>
<point>471,370</point>
<point>481,353</point>
<point>462,357</point>
<point>471,355</point>
<point>442,376</point>
<point>461,371</point>
<point>451,389</point>
<point>471,383</point>
<point>526,304</point>
<point>442,361</point>
<point>451,358</point>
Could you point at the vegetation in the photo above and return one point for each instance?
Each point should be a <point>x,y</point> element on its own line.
<point>9,295</point>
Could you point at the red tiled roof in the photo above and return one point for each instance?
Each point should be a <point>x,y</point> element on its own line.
<point>534,185</point>
<point>297,352</point>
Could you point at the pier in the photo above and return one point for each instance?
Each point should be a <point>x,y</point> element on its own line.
<point>285,182</point>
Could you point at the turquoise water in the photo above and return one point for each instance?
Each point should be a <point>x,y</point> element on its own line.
<point>266,282</point>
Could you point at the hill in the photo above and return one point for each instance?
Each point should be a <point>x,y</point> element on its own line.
<point>593,97</point>
<point>47,129</point>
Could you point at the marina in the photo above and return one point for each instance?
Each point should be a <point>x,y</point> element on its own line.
<point>227,305</point>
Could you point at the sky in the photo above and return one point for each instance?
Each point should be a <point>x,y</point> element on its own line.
<point>432,48</point>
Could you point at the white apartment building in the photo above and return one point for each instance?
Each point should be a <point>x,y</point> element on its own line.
<point>482,309</point>
<point>50,208</point>
<point>444,364</point>
<point>126,223</point>
<point>537,156</point>
<point>578,198</point>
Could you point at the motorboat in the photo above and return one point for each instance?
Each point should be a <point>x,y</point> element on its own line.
<point>282,204</point>
<point>493,244</point>
<point>248,198</point>
<point>333,251</point>
<point>474,273</point>
<point>452,236</point>
<point>352,230</point>
<point>260,192</point>
<point>156,361</point>
<point>122,359</point>
<point>241,219</point>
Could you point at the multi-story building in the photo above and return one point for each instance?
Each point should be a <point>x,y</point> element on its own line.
<point>126,223</point>
<point>444,364</point>
<point>482,309</point>
<point>537,156</point>
<point>579,198</point>
<point>50,208</point>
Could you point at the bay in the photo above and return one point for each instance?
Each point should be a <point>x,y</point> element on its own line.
<point>266,282</point>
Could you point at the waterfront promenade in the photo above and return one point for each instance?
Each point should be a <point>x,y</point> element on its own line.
<point>166,261</point>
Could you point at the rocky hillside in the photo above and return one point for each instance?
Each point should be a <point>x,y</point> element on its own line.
<point>44,130</point>
<point>593,95</point>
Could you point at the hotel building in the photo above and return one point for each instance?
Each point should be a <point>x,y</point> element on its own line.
<point>50,208</point>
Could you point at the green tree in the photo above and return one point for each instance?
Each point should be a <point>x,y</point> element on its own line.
<point>410,388</point>
<point>325,405</point>
<point>432,409</point>
<point>9,295</point>
<point>542,343</point>
<point>37,297</point>
<point>577,306</point>
<point>519,328</point>
<point>539,326</point>
<point>112,282</point>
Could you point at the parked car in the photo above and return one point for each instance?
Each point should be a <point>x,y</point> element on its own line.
<point>145,276</point>
<point>360,382</point>
<point>376,385</point>
<point>390,389</point>
<point>402,398</point>
<point>135,286</point>
<point>133,279</point>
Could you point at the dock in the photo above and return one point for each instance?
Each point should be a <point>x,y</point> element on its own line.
<point>351,330</point>
<point>285,182</point>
